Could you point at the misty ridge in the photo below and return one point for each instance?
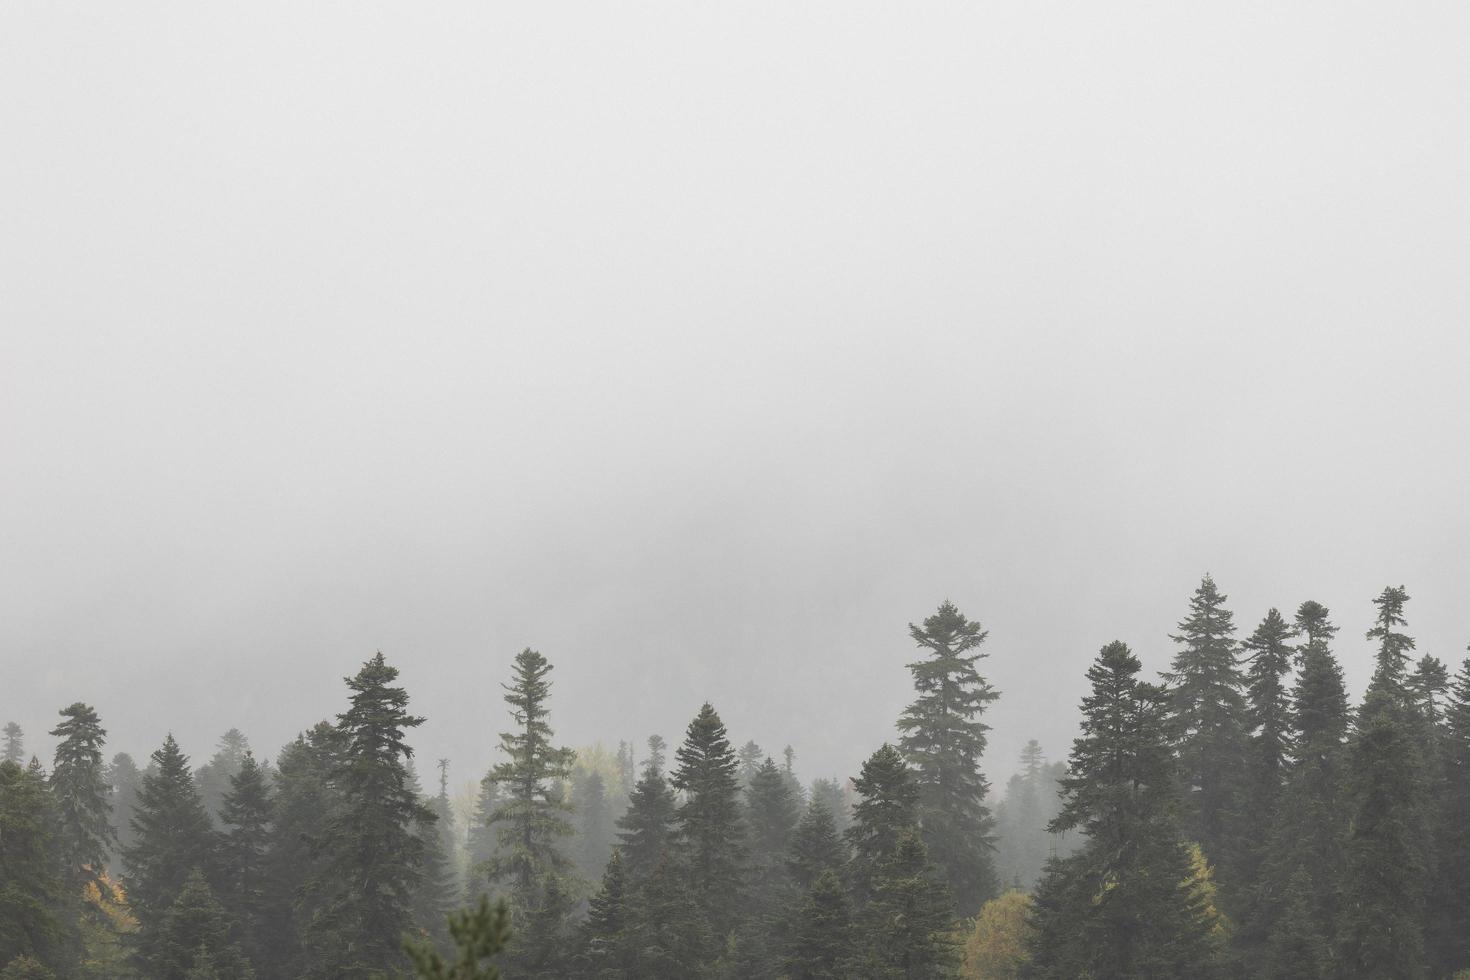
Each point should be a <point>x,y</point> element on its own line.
<point>1242,816</point>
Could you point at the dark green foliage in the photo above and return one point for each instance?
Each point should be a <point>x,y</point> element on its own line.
<point>172,839</point>
<point>816,846</point>
<point>608,952</point>
<point>888,805</point>
<point>1121,906</point>
<point>943,738</point>
<point>671,934</point>
<point>304,802</point>
<point>12,748</point>
<point>31,880</point>
<point>26,968</point>
<point>771,818</point>
<point>371,859</point>
<point>1297,948</point>
<point>479,934</point>
<point>1210,717</point>
<point>439,886</point>
<point>123,778</point>
<point>710,836</point>
<point>244,852</point>
<point>1392,659</point>
<point>646,830</point>
<point>906,924</point>
<point>194,938</point>
<point>84,836</point>
<point>213,778</point>
<point>822,940</point>
<point>1449,938</point>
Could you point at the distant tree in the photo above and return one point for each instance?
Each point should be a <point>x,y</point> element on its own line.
<point>710,835</point>
<point>788,772</point>
<point>996,947</point>
<point>943,738</point>
<point>213,778</point>
<point>627,770</point>
<point>608,951</point>
<point>1386,871</point>
<point>31,880</point>
<point>1211,720</point>
<point>1125,904</point>
<point>195,938</point>
<point>371,858</point>
<point>479,934</point>
<point>594,821</point>
<point>888,805</point>
<point>1022,817</point>
<point>771,819</point>
<point>244,854</point>
<point>822,941</point>
<point>816,846</point>
<point>80,791</point>
<point>172,839</point>
<point>750,755</point>
<point>645,831</point>
<point>830,792</point>
<point>439,887</point>
<point>12,748</point>
<point>1449,939</point>
<point>481,842</point>
<point>123,777</point>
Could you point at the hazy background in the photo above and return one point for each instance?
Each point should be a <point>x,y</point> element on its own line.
<point>704,346</point>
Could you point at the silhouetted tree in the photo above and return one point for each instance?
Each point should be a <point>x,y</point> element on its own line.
<point>710,835</point>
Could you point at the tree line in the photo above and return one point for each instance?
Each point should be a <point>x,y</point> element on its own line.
<point>1237,817</point>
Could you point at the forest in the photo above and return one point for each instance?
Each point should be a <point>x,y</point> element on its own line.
<point>1241,815</point>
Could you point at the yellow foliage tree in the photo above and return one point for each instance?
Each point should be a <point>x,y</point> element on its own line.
<point>108,920</point>
<point>1202,884</point>
<point>996,947</point>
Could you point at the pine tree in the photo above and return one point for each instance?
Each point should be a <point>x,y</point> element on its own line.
<point>1386,873</point>
<point>788,772</point>
<point>627,770</point>
<point>194,938</point>
<point>608,950</point>
<point>1125,905</point>
<point>244,851</point>
<point>31,880</point>
<point>213,778</point>
<point>372,860</point>
<point>122,777</point>
<point>711,838</point>
<point>646,830</point>
<point>906,924</point>
<point>1297,948</point>
<point>83,811</point>
<point>14,744</point>
<point>822,941</point>
<point>943,739</point>
<point>888,805</point>
<point>1449,940</point>
<point>816,846</point>
<point>1211,720</point>
<point>299,889</point>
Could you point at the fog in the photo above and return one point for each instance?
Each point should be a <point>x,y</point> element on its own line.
<point>704,347</point>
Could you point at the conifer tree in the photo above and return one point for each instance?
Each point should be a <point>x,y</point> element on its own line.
<point>594,821</point>
<point>943,738</point>
<point>788,771</point>
<point>371,859</point>
<point>439,887</point>
<point>830,792</point>
<point>122,777</point>
<point>1021,820</point>
<point>172,838</point>
<point>906,923</point>
<point>194,938</point>
<point>304,801</point>
<point>608,951</point>
<point>750,762</point>
<point>481,841</point>
<point>670,931</point>
<point>244,851</point>
<point>771,821</point>
<point>479,934</point>
<point>646,830</point>
<point>213,778</point>
<point>31,880</point>
<point>822,941</point>
<point>1386,871</point>
<point>1210,718</point>
<point>710,835</point>
<point>80,793</point>
<point>627,770</point>
<point>888,805</point>
<point>12,749</point>
<point>816,846</point>
<point>1125,904</point>
<point>1449,940</point>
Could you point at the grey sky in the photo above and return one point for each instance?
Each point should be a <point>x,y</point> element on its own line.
<point>704,346</point>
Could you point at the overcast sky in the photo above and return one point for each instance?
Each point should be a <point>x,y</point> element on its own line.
<point>704,346</point>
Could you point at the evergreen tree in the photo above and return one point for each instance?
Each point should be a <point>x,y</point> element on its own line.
<point>14,744</point>
<point>594,821</point>
<point>1210,720</point>
<point>906,924</point>
<point>1021,820</point>
<point>439,887</point>
<point>888,805</point>
<point>83,811</point>
<point>627,770</point>
<point>481,842</point>
<point>830,792</point>
<point>194,939</point>
<point>822,941</point>
<point>1125,904</point>
<point>788,772</point>
<point>244,851</point>
<point>670,931</point>
<point>172,838</point>
<point>943,739</point>
<point>710,835</point>
<point>1449,940</point>
<point>771,821</point>
<point>213,778</point>
<point>646,830</point>
<point>816,846</point>
<point>608,951</point>
<point>299,890</point>
<point>1380,926</point>
<point>31,880</point>
<point>122,777</point>
<point>1297,948</point>
<point>479,934</point>
<point>750,762</point>
<point>372,860</point>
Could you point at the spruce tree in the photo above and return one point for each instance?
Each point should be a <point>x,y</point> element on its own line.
<point>244,852</point>
<point>479,934</point>
<point>1210,718</point>
<point>646,830</point>
<point>123,777</point>
<point>439,887</point>
<point>371,858</point>
<point>213,778</point>
<point>906,924</point>
<point>771,821</point>
<point>710,836</point>
<point>816,846</point>
<point>943,738</point>
<point>608,951</point>
<point>822,941</point>
<point>12,749</point>
<point>830,792</point>
<point>80,791</point>
<point>481,841</point>
<point>670,932</point>
<point>304,801</point>
<point>888,805</point>
<point>1386,872</point>
<point>172,839</point>
<point>750,755</point>
<point>1125,904</point>
<point>194,938</point>
<point>1449,939</point>
<point>594,822</point>
<point>31,879</point>
<point>1021,820</point>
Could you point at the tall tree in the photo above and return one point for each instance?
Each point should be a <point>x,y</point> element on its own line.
<point>1022,817</point>
<point>532,814</point>
<point>371,858</point>
<point>1124,905</point>
<point>1211,720</point>
<point>1380,925</point>
<point>670,932</point>
<point>80,792</point>
<point>244,852</point>
<point>481,840</point>
<point>14,749</point>
<point>750,755</point>
<point>943,738</point>
<point>439,886</point>
<point>646,830</point>
<point>31,880</point>
<point>172,838</point>
<point>710,835</point>
<point>831,793</point>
